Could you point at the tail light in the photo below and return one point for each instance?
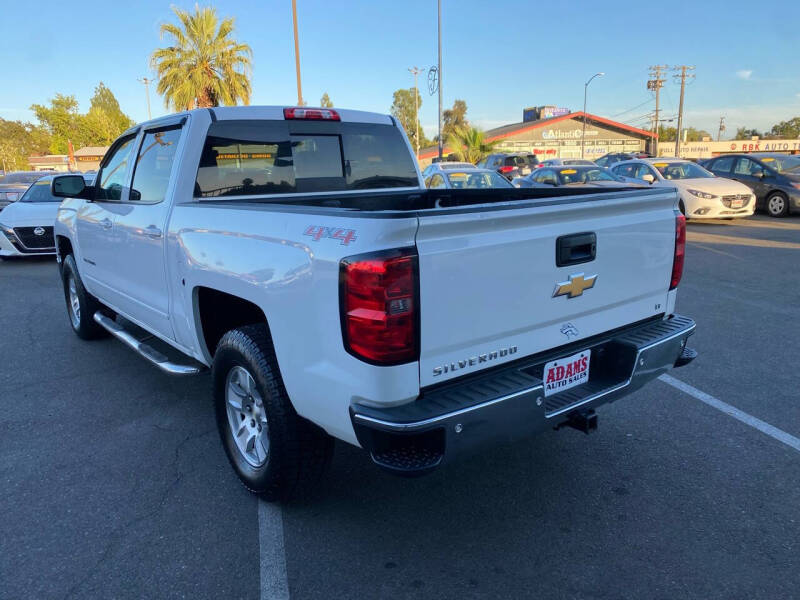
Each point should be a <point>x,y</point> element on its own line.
<point>379,303</point>
<point>505,170</point>
<point>680,250</point>
<point>311,114</point>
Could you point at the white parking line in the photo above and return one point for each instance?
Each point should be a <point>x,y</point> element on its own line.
<point>731,411</point>
<point>274,585</point>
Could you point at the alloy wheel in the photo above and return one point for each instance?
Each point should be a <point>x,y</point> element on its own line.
<point>247,418</point>
<point>74,302</point>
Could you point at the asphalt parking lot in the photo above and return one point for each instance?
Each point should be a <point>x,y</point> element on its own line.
<point>115,484</point>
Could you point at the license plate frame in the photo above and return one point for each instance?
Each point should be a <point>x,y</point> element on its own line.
<point>566,372</point>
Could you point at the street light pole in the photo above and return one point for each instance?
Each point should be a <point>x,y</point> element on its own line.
<point>585,90</point>
<point>415,71</point>
<point>297,55</point>
<point>147,83</point>
<point>439,72</point>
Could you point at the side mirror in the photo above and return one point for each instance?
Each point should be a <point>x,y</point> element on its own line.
<point>68,186</point>
<point>649,178</point>
<point>763,174</point>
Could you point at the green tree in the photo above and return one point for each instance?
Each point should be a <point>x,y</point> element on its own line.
<point>205,66</point>
<point>469,144</point>
<point>787,129</point>
<point>325,101</point>
<point>403,110</point>
<point>62,121</point>
<point>667,134</point>
<point>454,119</point>
<point>743,133</point>
<point>105,120</point>
<point>18,141</point>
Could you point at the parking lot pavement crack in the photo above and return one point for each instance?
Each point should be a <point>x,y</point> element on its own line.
<point>120,532</point>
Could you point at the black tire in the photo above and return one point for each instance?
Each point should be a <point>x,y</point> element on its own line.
<point>299,452</point>
<point>777,205</point>
<point>83,324</point>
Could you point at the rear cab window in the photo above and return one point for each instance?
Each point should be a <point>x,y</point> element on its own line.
<point>256,157</point>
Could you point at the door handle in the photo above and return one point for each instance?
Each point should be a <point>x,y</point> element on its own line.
<point>576,248</point>
<point>107,223</point>
<point>152,232</point>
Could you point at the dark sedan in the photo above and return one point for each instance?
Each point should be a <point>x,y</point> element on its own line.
<point>577,175</point>
<point>14,184</point>
<point>773,177</point>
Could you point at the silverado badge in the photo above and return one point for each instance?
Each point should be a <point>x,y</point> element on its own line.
<point>575,286</point>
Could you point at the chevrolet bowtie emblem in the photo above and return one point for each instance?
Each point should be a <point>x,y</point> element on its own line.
<point>575,286</point>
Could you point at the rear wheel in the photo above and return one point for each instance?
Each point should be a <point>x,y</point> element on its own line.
<point>81,305</point>
<point>275,452</point>
<point>777,205</point>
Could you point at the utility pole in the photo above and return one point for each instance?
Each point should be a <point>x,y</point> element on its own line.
<point>654,84</point>
<point>297,55</point>
<point>721,127</point>
<point>683,76</point>
<point>415,71</point>
<point>439,71</point>
<point>147,83</point>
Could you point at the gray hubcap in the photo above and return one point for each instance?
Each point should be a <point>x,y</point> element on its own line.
<point>74,303</point>
<point>246,417</point>
<point>775,205</point>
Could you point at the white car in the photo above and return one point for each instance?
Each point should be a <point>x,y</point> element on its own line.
<point>464,178</point>
<point>559,162</point>
<point>702,195</point>
<point>26,226</point>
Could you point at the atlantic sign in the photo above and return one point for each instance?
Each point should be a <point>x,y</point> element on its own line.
<point>566,134</point>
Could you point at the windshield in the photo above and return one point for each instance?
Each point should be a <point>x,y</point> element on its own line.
<point>477,181</point>
<point>569,176</point>
<point>20,177</point>
<point>782,163</point>
<point>681,170</point>
<point>39,192</point>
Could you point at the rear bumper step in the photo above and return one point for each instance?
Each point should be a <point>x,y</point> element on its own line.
<point>141,347</point>
<point>508,403</point>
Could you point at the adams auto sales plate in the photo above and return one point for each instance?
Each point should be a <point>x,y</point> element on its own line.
<point>567,372</point>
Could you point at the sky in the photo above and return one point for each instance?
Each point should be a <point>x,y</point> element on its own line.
<point>499,57</point>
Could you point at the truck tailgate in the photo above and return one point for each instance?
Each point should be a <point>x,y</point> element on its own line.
<point>489,278</point>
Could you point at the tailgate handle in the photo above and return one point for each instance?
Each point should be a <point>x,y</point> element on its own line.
<point>575,249</point>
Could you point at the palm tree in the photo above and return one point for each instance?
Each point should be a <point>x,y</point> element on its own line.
<point>469,144</point>
<point>205,66</point>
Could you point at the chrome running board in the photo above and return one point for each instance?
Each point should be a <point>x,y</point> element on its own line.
<point>146,350</point>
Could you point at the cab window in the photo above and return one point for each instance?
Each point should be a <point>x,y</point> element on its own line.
<point>154,165</point>
<point>113,175</point>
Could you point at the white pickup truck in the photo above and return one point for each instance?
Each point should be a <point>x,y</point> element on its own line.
<point>296,253</point>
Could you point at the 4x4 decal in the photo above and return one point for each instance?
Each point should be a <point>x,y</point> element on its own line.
<point>317,232</point>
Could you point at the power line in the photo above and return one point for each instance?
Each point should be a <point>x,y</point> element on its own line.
<point>634,108</point>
